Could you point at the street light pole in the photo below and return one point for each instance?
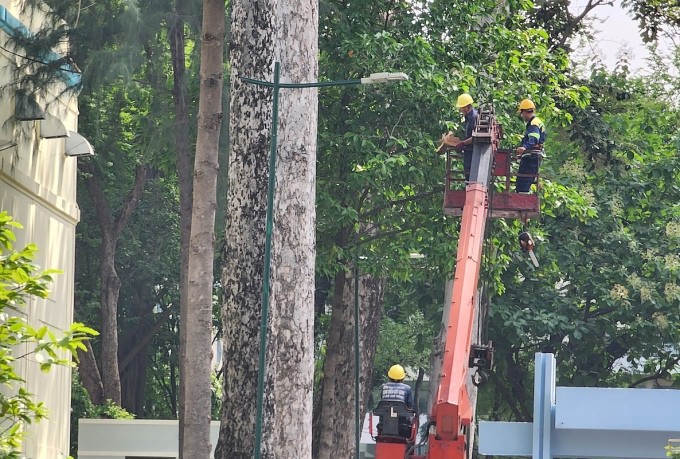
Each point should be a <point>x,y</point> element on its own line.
<point>383,77</point>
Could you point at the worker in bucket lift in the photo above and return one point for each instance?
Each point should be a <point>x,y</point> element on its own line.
<point>531,151</point>
<point>397,390</point>
<point>464,105</point>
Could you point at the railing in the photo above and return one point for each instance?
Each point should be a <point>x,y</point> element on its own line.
<point>505,202</point>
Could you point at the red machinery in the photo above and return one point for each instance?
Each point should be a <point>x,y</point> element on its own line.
<point>451,414</point>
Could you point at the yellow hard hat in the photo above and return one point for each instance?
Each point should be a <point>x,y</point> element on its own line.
<point>527,104</point>
<point>396,372</point>
<point>464,100</point>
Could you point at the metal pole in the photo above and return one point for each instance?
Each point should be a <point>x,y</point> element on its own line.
<point>357,423</point>
<point>267,264</point>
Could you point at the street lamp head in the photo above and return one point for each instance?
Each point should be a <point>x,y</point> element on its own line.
<point>384,77</point>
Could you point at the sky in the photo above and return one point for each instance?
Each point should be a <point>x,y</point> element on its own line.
<point>616,32</point>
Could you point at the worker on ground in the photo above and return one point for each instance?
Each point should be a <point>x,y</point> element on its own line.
<point>531,151</point>
<point>397,390</point>
<point>464,105</point>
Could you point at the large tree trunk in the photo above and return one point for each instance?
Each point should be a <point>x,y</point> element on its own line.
<point>133,356</point>
<point>262,33</point>
<point>110,290</point>
<point>334,429</point>
<point>111,230</point>
<point>198,343</point>
<point>184,170</point>
<point>90,376</point>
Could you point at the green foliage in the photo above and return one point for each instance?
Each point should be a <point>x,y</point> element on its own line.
<point>377,173</point>
<point>406,342</point>
<point>605,298</point>
<point>21,280</point>
<point>379,182</point>
<point>655,17</point>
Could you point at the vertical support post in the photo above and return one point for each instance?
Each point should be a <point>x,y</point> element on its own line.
<point>544,405</point>
<point>357,405</point>
<point>267,265</point>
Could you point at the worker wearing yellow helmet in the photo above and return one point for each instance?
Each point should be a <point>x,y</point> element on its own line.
<point>530,152</point>
<point>397,391</point>
<point>464,105</point>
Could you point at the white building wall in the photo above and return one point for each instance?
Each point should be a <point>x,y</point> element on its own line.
<point>38,188</point>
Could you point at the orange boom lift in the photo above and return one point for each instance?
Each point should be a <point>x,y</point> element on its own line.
<point>487,193</point>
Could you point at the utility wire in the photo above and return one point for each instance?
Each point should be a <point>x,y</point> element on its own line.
<point>38,61</point>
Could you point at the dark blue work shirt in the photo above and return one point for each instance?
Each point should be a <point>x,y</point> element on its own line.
<point>398,391</point>
<point>470,125</point>
<point>534,136</point>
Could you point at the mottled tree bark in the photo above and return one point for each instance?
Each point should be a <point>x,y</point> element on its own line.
<point>196,392</point>
<point>264,32</point>
<point>334,429</point>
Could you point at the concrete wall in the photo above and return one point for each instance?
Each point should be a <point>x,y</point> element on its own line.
<point>118,439</point>
<point>38,188</point>
<point>157,439</point>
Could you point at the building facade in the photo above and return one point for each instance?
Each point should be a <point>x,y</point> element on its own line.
<point>38,189</point>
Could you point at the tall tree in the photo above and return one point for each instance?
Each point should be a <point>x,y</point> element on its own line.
<point>334,435</point>
<point>604,300</point>
<point>184,168</point>
<point>111,230</point>
<point>196,393</point>
<point>264,33</point>
<point>378,174</point>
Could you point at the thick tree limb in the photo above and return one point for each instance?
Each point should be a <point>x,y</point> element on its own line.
<point>505,395</point>
<point>574,23</point>
<point>389,233</point>
<point>132,343</point>
<point>670,364</point>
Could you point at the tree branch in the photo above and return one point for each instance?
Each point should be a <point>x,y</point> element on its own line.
<point>94,186</point>
<point>389,233</point>
<point>600,312</point>
<point>569,29</point>
<point>149,332</point>
<point>131,200</point>
<point>414,198</point>
<point>505,394</point>
<point>670,364</point>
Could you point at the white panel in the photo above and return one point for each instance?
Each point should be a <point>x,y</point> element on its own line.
<point>514,439</point>
<point>618,409</point>
<point>505,438</point>
<point>119,438</point>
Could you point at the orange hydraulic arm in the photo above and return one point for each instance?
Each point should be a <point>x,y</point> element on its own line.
<point>452,412</point>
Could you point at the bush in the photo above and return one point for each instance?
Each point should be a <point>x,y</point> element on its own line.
<point>20,280</point>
